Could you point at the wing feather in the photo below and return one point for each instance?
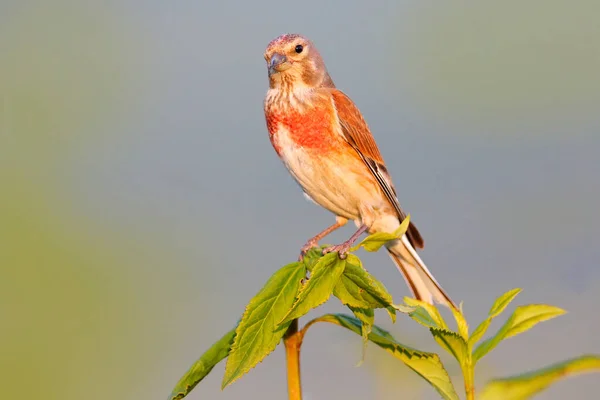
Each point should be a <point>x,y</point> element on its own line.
<point>357,134</point>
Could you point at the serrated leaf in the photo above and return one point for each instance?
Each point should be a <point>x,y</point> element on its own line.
<point>426,314</point>
<point>258,332</point>
<point>524,386</point>
<point>522,319</point>
<point>375,241</point>
<point>426,365</point>
<point>358,288</point>
<point>453,343</point>
<point>461,323</point>
<point>202,367</point>
<point>367,319</point>
<point>323,278</point>
<point>503,301</point>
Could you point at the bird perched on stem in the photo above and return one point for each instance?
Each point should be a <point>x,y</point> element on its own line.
<point>324,141</point>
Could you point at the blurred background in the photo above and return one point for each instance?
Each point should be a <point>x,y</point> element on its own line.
<point>142,206</point>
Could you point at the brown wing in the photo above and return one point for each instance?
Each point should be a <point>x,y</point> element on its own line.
<point>359,136</point>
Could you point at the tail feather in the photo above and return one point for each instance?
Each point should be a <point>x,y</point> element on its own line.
<point>421,282</point>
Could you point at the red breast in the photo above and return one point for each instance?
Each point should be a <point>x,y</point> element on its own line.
<point>312,128</point>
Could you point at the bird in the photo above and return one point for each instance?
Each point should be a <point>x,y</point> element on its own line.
<point>324,141</point>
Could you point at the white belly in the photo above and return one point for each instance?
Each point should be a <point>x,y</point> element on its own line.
<point>323,180</point>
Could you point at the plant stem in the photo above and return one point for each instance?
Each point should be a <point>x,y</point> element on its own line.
<point>469,378</point>
<point>293,341</point>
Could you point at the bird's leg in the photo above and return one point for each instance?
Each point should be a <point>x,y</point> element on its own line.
<point>343,248</point>
<point>314,241</point>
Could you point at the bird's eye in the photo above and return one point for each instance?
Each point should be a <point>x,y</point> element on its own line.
<point>298,49</point>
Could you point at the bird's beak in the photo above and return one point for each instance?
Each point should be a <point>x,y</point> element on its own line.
<point>278,63</point>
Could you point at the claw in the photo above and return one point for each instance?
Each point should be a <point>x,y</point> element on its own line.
<point>307,247</point>
<point>341,249</point>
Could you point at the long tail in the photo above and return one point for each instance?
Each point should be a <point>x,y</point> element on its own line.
<point>418,278</point>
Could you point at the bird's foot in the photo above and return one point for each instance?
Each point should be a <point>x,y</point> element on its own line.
<point>342,249</point>
<point>312,243</point>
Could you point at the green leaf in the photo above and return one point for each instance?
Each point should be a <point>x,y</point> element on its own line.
<point>367,319</point>
<point>324,276</point>
<point>313,256</point>
<point>258,332</point>
<point>392,313</point>
<point>403,308</point>
<point>453,343</point>
<point>524,386</point>
<point>503,301</point>
<point>479,331</point>
<point>499,306</point>
<point>523,319</point>
<point>203,366</point>
<point>375,241</point>
<point>426,314</point>
<point>461,323</point>
<point>358,288</point>
<point>426,365</point>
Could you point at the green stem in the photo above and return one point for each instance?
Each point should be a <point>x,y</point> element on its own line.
<point>469,378</point>
<point>293,341</point>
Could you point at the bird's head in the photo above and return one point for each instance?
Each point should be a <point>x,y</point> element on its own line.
<point>294,62</point>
